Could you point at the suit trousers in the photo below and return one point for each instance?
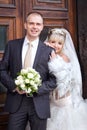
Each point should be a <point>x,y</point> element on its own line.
<point>26,112</point>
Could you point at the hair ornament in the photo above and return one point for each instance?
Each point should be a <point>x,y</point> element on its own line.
<point>57,31</point>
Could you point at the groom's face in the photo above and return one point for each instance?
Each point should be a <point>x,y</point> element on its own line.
<point>34,25</point>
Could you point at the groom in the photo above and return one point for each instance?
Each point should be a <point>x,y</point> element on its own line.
<point>21,108</point>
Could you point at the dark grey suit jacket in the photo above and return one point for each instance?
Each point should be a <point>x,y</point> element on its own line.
<point>11,64</point>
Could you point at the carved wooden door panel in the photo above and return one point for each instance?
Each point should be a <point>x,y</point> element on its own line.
<point>56,13</point>
<point>10,28</point>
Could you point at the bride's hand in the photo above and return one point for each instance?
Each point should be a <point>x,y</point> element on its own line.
<point>48,44</point>
<point>53,55</point>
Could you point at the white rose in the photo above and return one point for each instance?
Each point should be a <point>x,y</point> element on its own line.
<point>26,80</point>
<point>35,87</point>
<point>22,86</point>
<point>30,75</point>
<point>17,82</point>
<point>19,77</point>
<point>24,71</point>
<point>21,81</point>
<point>32,82</point>
<point>29,90</point>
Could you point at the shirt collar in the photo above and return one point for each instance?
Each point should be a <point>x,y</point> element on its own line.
<point>34,43</point>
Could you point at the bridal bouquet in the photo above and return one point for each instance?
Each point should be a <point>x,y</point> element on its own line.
<point>28,80</point>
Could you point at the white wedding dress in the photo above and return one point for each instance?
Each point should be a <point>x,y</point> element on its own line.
<point>70,112</point>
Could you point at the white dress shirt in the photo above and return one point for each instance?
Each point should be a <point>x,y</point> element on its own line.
<point>25,47</point>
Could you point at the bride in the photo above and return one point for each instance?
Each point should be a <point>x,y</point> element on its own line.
<point>68,108</point>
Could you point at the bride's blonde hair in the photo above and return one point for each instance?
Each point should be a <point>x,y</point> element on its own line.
<point>56,33</point>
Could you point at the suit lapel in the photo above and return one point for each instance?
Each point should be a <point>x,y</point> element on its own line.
<point>38,53</point>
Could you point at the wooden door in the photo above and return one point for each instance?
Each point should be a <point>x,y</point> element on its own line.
<point>10,28</point>
<point>56,13</point>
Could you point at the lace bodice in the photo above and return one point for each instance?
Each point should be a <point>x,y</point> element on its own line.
<point>63,72</point>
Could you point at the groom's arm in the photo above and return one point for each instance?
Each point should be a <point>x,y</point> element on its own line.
<point>48,85</point>
<point>5,77</point>
<point>48,79</point>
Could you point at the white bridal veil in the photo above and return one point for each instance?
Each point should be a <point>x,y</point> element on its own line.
<point>69,50</point>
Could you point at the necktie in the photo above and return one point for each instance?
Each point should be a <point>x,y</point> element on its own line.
<point>28,57</point>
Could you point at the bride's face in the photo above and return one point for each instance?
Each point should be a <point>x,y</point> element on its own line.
<point>57,43</point>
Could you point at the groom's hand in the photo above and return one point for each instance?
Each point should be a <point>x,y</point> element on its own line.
<point>19,91</point>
